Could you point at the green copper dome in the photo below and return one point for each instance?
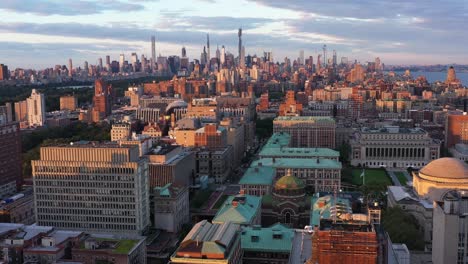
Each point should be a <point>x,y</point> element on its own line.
<point>289,182</point>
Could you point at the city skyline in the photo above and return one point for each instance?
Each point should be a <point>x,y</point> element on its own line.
<point>45,33</point>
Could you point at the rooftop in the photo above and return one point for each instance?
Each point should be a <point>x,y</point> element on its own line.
<point>314,119</point>
<point>276,238</point>
<point>207,240</point>
<point>327,207</point>
<point>297,163</point>
<point>392,130</point>
<point>239,209</point>
<point>113,244</point>
<point>261,175</point>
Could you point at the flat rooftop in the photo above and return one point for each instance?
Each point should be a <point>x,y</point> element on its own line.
<point>302,163</point>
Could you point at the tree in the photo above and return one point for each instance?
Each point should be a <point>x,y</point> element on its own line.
<point>264,128</point>
<point>345,150</point>
<point>403,228</point>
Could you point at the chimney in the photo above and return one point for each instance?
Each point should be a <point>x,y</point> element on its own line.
<point>242,192</point>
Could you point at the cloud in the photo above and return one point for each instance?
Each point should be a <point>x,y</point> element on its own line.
<point>176,20</point>
<point>67,8</point>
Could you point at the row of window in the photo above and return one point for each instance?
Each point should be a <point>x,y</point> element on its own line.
<point>87,225</point>
<point>86,219</point>
<point>87,184</point>
<point>42,206</point>
<point>54,198</point>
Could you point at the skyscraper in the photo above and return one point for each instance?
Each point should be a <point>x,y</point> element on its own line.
<point>92,187</point>
<point>223,56</point>
<point>153,53</point>
<point>10,158</point>
<point>301,57</point>
<point>121,62</point>
<point>36,109</point>
<point>85,66</point>
<point>100,63</point>
<point>325,56</point>
<point>242,58</point>
<point>70,67</point>
<point>240,44</point>
<point>143,63</point>
<point>134,61</point>
<point>184,52</point>
<point>334,59</point>
<point>108,63</point>
<point>208,50</point>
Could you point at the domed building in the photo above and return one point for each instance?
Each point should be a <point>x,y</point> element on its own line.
<point>287,204</point>
<point>440,176</point>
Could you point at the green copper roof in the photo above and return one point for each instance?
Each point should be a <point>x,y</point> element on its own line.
<point>261,175</point>
<point>321,208</point>
<point>298,163</point>
<point>289,182</point>
<point>278,139</point>
<point>243,213</point>
<point>164,190</point>
<point>277,238</point>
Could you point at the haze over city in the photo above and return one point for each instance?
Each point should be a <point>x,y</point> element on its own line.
<point>233,132</point>
<point>41,33</point>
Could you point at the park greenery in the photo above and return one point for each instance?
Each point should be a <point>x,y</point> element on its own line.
<point>403,228</point>
<point>54,91</point>
<point>264,128</point>
<point>31,142</point>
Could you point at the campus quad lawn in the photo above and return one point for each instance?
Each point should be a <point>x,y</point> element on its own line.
<point>373,177</point>
<point>401,178</point>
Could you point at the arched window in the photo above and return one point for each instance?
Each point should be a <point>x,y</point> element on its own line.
<point>287,218</point>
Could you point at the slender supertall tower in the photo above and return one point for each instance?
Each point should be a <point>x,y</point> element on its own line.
<point>223,56</point>
<point>70,67</point>
<point>208,47</point>
<point>325,56</point>
<point>153,52</point>
<point>334,58</point>
<point>240,44</point>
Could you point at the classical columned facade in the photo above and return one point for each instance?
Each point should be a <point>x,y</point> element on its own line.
<point>393,147</point>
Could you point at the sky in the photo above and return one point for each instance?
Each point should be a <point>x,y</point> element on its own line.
<point>44,33</point>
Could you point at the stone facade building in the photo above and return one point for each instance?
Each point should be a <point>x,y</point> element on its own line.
<point>92,187</point>
<point>393,147</point>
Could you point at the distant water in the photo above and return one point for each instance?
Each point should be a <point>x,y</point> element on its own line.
<point>438,76</point>
<point>75,87</point>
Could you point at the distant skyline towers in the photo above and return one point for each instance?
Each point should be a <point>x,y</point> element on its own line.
<point>70,67</point>
<point>121,62</point>
<point>242,57</point>
<point>324,55</point>
<point>108,62</point>
<point>153,52</point>
<point>134,60</point>
<point>240,44</point>
<point>334,58</point>
<point>301,57</point>
<point>100,63</point>
<point>86,67</point>
<point>208,50</point>
<point>184,52</point>
<point>223,55</point>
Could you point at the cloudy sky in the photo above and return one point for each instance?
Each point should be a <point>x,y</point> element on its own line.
<point>42,33</point>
